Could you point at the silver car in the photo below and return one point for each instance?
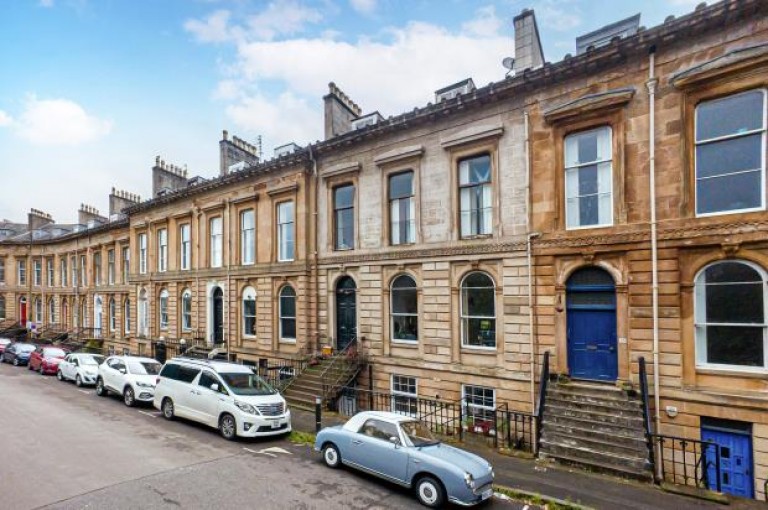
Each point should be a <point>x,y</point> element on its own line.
<point>401,449</point>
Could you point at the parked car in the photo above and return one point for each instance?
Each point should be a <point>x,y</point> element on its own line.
<point>81,367</point>
<point>18,353</point>
<point>227,396</point>
<point>45,359</point>
<point>4,342</point>
<point>403,450</point>
<point>132,377</point>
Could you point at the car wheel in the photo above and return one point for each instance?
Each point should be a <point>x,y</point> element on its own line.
<point>59,375</point>
<point>167,408</point>
<point>15,362</point>
<point>430,492</point>
<point>78,381</point>
<point>331,456</point>
<point>128,397</point>
<point>228,427</point>
<point>100,389</point>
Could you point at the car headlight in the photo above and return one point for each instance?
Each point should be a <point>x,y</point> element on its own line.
<point>143,385</point>
<point>469,480</point>
<point>246,408</point>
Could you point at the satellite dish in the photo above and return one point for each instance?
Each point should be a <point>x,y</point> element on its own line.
<point>508,62</point>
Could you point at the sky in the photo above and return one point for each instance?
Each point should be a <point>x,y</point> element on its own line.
<point>92,90</point>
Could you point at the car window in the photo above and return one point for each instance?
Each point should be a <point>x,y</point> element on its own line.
<point>112,363</point>
<point>144,367</point>
<point>53,351</point>
<point>75,362</point>
<point>187,374</point>
<point>379,430</point>
<point>206,379</point>
<point>170,370</point>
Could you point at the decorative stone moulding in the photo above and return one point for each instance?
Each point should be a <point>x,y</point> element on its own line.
<point>411,151</point>
<point>590,103</point>
<point>472,134</point>
<point>733,61</point>
<point>347,167</point>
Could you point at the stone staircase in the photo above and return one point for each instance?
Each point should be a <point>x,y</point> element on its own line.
<point>596,426</point>
<point>308,385</point>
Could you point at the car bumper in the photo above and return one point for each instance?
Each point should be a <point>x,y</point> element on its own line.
<point>470,497</point>
<point>249,425</point>
<point>50,369</point>
<point>88,379</point>
<point>144,394</point>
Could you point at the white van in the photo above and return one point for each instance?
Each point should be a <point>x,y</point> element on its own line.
<point>228,396</point>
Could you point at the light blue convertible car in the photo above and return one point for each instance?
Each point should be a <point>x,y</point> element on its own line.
<point>403,450</point>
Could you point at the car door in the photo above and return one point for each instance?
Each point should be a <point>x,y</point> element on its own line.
<point>36,358</point>
<point>206,400</point>
<point>372,448</point>
<point>183,392</point>
<point>111,373</point>
<point>64,366</point>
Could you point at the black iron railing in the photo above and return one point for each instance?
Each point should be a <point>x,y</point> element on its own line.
<point>280,372</point>
<point>516,429</point>
<point>543,382</point>
<point>647,415</point>
<point>342,368</point>
<point>689,462</point>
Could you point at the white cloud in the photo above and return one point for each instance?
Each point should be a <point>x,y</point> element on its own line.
<point>363,6</point>
<point>485,23</point>
<point>46,3</point>
<point>214,28</point>
<point>5,119</point>
<point>59,122</point>
<point>279,119</point>
<point>559,15</point>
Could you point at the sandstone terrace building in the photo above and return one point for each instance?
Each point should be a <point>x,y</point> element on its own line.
<point>415,235</point>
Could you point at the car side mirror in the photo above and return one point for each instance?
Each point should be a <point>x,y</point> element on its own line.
<point>215,387</point>
<point>122,371</point>
<point>394,440</point>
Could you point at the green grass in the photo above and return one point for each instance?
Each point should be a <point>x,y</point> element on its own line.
<point>298,437</point>
<point>537,499</point>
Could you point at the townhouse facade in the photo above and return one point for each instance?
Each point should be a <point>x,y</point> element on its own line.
<point>602,208</point>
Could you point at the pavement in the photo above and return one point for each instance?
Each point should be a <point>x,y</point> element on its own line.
<point>64,448</point>
<point>573,485</point>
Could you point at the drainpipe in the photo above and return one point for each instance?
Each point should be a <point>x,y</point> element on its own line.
<point>529,257</point>
<point>651,85</point>
<point>228,231</point>
<point>315,270</point>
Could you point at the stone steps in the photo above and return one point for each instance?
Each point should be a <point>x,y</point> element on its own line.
<point>309,384</point>
<point>599,427</point>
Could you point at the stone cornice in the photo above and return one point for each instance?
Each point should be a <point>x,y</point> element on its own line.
<point>733,61</point>
<point>347,167</point>
<point>589,104</point>
<point>472,134</point>
<point>399,154</point>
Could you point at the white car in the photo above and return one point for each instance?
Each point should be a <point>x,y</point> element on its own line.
<point>81,367</point>
<point>227,396</point>
<point>130,376</point>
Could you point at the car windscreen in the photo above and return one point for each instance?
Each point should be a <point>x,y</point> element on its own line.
<point>54,353</point>
<point>418,433</point>
<point>247,384</point>
<point>144,367</point>
<point>4,341</point>
<point>25,347</point>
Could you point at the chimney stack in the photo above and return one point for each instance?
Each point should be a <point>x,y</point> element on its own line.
<point>89,215</point>
<point>340,111</point>
<point>119,200</point>
<point>237,152</point>
<point>37,218</point>
<point>167,177</point>
<point>528,53</point>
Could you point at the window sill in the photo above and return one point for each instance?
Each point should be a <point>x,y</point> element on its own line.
<point>285,260</point>
<point>585,227</point>
<point>475,237</point>
<point>476,349</point>
<point>755,373</point>
<point>405,343</point>
<point>733,211</point>
<point>291,341</point>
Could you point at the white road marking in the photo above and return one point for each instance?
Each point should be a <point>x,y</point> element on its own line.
<point>275,449</point>
<point>148,414</point>
<point>261,452</point>
<point>85,391</point>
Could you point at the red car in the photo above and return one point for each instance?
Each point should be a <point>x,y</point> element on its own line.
<point>4,342</point>
<point>46,359</point>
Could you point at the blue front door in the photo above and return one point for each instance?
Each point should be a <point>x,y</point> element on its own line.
<point>591,309</point>
<point>735,461</point>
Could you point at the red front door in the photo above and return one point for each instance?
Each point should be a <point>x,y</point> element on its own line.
<point>23,311</point>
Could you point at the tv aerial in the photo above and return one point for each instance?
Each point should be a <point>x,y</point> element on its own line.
<point>509,64</point>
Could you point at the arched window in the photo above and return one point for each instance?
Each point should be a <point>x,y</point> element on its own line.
<point>249,311</point>
<point>51,311</point>
<point>186,310</point>
<point>405,309</point>
<point>730,316</point>
<point>127,316</point>
<point>287,314</point>
<point>38,310</point>
<point>478,311</point>
<point>164,309</point>
<point>2,307</point>
<point>143,313</point>
<point>112,315</point>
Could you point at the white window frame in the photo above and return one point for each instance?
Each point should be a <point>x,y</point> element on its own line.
<point>396,394</point>
<point>37,273</point>
<point>162,250</point>
<point>51,310</point>
<point>21,272</point>
<point>216,240</point>
<point>249,294</point>
<point>488,229</point>
<point>185,251</point>
<point>63,271</point>
<point>97,268</point>
<point>163,309</point>
<point>393,204</point>
<point>282,242</point>
<point>111,267</point>
<point>393,314</point>
<point>580,165</point>
<point>112,315</point>
<point>186,310</point>
<point>38,310</point>
<point>143,253</point>
<point>49,274</point>
<point>2,308</point>
<point>142,309</point>
<point>83,271</point>
<point>247,238</point>
<point>2,271</point>
<point>127,315</point>
<point>75,277</point>
<point>126,263</point>
<point>700,339</point>
<point>463,317</point>
<point>482,408</point>
<point>281,316</point>
<point>696,143</point>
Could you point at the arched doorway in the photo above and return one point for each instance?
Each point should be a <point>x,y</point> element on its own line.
<point>591,320</point>
<point>218,316</point>
<point>346,312</point>
<point>23,311</point>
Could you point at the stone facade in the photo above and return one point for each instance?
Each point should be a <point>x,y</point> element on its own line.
<point>517,132</point>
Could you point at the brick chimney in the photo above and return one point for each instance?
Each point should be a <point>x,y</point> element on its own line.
<point>528,53</point>
<point>167,177</point>
<point>89,215</point>
<point>119,200</point>
<point>340,111</point>
<point>37,218</point>
<point>237,152</point>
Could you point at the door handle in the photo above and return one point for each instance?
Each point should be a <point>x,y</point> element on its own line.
<point>355,441</point>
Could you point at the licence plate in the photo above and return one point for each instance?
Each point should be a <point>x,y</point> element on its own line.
<point>275,424</point>
<point>487,494</point>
